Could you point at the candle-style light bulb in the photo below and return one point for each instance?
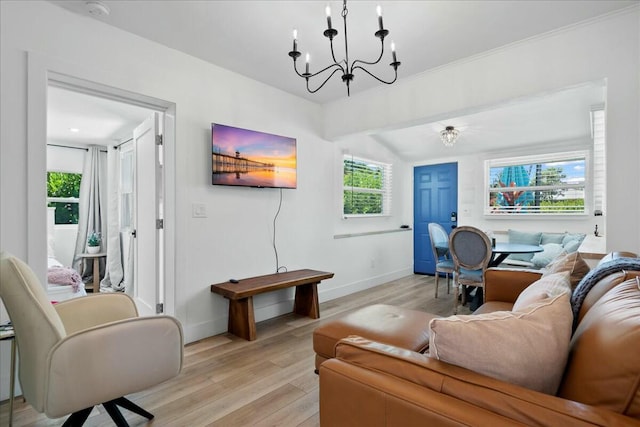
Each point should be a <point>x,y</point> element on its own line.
<point>307,58</point>
<point>393,51</point>
<point>328,12</point>
<point>379,10</point>
<point>295,40</point>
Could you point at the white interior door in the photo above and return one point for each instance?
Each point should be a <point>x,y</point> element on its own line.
<point>148,289</point>
<point>126,193</point>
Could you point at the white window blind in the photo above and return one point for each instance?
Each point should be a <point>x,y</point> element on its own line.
<point>599,159</point>
<point>547,184</point>
<point>366,187</point>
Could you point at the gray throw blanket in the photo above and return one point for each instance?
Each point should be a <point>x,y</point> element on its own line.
<point>594,276</point>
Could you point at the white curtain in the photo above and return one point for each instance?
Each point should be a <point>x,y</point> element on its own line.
<point>114,275</point>
<point>92,216</point>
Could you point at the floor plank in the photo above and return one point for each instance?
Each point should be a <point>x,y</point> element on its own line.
<point>227,381</point>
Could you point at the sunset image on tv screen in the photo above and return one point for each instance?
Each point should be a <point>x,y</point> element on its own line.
<point>254,159</point>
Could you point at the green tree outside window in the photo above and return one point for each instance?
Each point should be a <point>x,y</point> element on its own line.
<point>63,192</point>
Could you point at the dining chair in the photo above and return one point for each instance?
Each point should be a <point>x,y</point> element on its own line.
<point>470,249</point>
<point>85,351</point>
<point>440,247</point>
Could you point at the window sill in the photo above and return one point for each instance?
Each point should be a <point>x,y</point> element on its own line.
<point>370,233</point>
<point>537,216</point>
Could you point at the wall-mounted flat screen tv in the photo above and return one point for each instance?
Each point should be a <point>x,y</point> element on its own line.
<point>248,158</point>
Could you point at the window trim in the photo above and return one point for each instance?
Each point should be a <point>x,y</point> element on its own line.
<point>540,158</point>
<point>385,191</point>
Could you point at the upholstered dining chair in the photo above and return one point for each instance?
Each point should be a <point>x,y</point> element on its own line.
<point>85,351</point>
<point>470,249</point>
<point>440,248</point>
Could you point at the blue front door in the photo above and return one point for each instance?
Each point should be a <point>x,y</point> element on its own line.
<point>435,199</point>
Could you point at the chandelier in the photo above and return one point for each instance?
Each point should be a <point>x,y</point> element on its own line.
<point>344,66</point>
<point>449,136</point>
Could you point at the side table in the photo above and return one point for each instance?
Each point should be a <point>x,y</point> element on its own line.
<point>10,335</point>
<point>95,288</point>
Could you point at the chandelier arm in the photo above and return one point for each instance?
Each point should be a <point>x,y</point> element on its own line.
<point>369,63</point>
<point>376,77</point>
<point>333,55</point>
<point>323,83</point>
<point>306,76</point>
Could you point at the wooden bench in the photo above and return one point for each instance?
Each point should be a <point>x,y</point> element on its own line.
<point>242,321</point>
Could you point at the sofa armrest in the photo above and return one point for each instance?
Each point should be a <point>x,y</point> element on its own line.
<point>108,361</point>
<point>423,390</point>
<point>86,312</point>
<point>506,284</point>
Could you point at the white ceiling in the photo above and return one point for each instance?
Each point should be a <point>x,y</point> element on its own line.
<point>98,121</point>
<point>253,38</point>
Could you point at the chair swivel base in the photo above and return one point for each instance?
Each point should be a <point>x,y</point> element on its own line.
<point>78,418</point>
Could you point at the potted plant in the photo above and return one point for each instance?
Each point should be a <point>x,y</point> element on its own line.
<point>93,242</point>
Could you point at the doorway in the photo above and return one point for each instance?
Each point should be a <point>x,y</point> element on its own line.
<point>435,199</point>
<point>38,117</point>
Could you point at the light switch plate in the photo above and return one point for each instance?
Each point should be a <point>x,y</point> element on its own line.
<point>199,210</point>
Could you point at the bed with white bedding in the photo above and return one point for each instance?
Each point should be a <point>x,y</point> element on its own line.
<point>63,282</point>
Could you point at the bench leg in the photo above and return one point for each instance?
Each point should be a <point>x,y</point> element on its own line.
<point>306,301</point>
<point>242,321</point>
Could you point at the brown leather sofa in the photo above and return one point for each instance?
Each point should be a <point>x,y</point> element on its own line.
<point>374,384</point>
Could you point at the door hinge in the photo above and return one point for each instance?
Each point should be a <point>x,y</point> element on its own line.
<point>159,224</point>
<point>158,139</point>
<point>159,308</point>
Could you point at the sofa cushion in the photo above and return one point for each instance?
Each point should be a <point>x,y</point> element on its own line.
<point>524,238</point>
<point>388,324</point>
<point>547,286</point>
<point>550,251</point>
<point>573,263</point>
<point>604,368</point>
<point>527,347</point>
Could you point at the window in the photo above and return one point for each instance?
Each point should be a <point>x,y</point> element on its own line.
<point>366,187</point>
<point>599,159</point>
<point>63,192</point>
<point>552,184</point>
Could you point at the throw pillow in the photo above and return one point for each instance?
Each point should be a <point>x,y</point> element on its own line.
<point>572,246</point>
<point>526,239</point>
<point>573,263</point>
<point>550,252</point>
<point>528,348</point>
<point>548,286</point>
<point>571,237</point>
<point>552,238</point>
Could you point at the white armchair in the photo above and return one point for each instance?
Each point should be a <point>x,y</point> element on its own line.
<point>85,351</point>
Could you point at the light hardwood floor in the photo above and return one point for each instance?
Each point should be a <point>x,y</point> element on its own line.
<point>227,381</point>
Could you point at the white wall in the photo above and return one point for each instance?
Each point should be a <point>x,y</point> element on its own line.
<point>605,48</point>
<point>234,240</point>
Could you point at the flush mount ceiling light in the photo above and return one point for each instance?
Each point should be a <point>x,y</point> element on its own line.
<point>449,136</point>
<point>344,66</point>
<point>97,8</point>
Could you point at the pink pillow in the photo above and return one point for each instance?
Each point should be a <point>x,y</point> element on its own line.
<point>547,286</point>
<point>528,347</point>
